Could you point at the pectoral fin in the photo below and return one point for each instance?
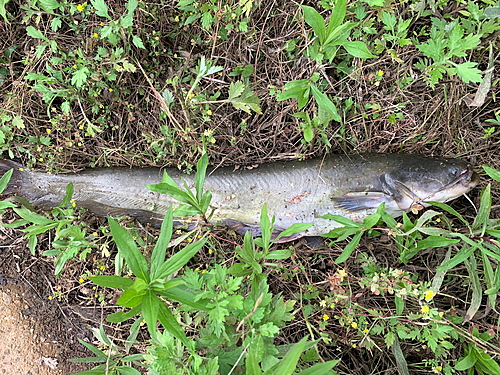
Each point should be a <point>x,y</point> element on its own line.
<point>353,202</point>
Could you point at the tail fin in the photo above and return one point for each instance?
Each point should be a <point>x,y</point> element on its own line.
<point>16,181</point>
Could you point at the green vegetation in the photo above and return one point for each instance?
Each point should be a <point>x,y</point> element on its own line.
<point>138,83</point>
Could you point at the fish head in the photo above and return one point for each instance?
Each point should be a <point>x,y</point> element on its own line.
<point>429,179</point>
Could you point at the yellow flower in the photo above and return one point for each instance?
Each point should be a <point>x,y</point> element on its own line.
<point>428,295</point>
<point>175,55</point>
<point>191,95</point>
<point>110,89</point>
<point>325,317</point>
<point>81,280</point>
<point>96,295</point>
<point>80,7</point>
<point>210,251</point>
<point>425,309</point>
<point>365,330</point>
<point>79,144</point>
<point>48,131</point>
<point>21,169</point>
<point>94,234</point>
<point>354,346</point>
<point>437,369</point>
<point>96,35</point>
<point>354,325</point>
<point>74,204</point>
<point>380,73</point>
<point>209,112</point>
<point>204,271</point>
<point>342,274</point>
<point>103,268</point>
<point>176,19</point>
<point>212,140</point>
<point>75,66</point>
<point>322,303</point>
<point>332,306</point>
<point>41,159</point>
<point>50,298</point>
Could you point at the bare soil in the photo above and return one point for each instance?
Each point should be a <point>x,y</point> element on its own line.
<point>38,335</point>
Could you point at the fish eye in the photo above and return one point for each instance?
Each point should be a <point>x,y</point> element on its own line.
<point>454,171</point>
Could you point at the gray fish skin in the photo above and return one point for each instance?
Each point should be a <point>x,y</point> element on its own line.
<point>294,191</point>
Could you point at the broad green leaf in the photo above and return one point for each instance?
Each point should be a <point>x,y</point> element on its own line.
<point>294,92</point>
<point>126,370</point>
<point>101,9</point>
<point>158,255</point>
<point>338,15</point>
<point>462,255</point>
<point>314,19</point>
<point>349,248</point>
<point>342,220</point>
<point>465,363</point>
<point>80,76</point>
<point>121,316</point>
<point>449,209</point>
<point>320,368</point>
<point>5,180</point>
<point>493,173</point>
<point>400,357</point>
<point>477,291</point>
<point>295,228</point>
<point>49,5</point>
<point>67,197</point>
<point>170,324</point>
<point>434,241</point>
<point>179,259</point>
<point>200,175</point>
<point>468,72</point>
<point>139,44</point>
<point>236,89</point>
<point>492,12</point>
<point>184,297</point>
<point>279,254</point>
<point>130,298</point>
<point>371,220</point>
<point>324,102</point>
<point>33,217</point>
<point>308,133</point>
<point>150,308</point>
<point>357,49</point>
<point>484,210</point>
<point>115,282</point>
<point>289,363</point>
<point>3,12</point>
<point>35,33</point>
<point>128,249</point>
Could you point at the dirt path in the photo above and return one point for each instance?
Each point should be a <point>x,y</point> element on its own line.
<point>35,336</point>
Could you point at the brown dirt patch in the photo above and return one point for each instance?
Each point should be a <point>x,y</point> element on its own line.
<point>38,335</point>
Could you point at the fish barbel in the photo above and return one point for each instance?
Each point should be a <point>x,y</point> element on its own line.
<point>294,191</point>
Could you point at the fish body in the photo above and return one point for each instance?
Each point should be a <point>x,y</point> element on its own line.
<point>294,191</point>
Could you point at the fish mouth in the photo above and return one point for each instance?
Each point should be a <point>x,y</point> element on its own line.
<point>467,180</point>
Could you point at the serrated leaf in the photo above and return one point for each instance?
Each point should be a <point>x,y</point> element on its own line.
<point>138,43</point>
<point>468,72</point>
<point>80,76</point>
<point>236,89</point>
<point>34,33</point>
<point>101,9</point>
